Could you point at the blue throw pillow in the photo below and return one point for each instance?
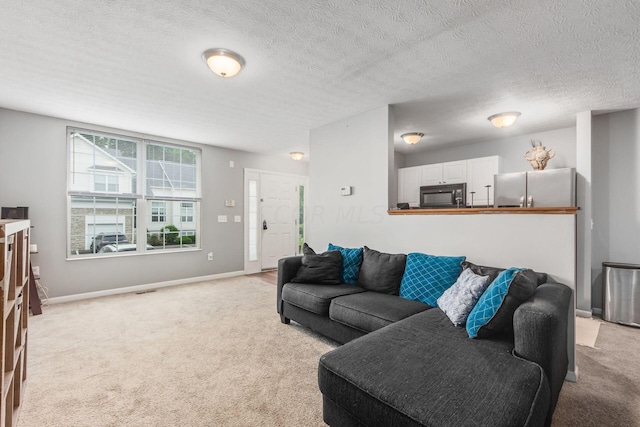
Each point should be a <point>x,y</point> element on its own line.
<point>426,277</point>
<point>351,260</point>
<point>494,311</point>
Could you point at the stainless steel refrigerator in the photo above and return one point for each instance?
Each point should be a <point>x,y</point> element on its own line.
<point>546,188</point>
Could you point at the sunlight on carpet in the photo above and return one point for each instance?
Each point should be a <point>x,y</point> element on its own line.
<point>587,331</point>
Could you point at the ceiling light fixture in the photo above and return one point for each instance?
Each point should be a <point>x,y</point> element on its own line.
<point>296,155</point>
<point>503,120</point>
<point>412,137</point>
<point>223,62</point>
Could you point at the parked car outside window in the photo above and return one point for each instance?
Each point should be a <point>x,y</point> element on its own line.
<point>103,239</point>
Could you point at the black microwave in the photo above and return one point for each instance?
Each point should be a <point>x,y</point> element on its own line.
<point>443,196</point>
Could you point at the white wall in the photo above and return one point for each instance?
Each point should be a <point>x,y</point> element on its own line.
<point>511,149</point>
<point>355,151</point>
<point>33,165</point>
<point>616,193</point>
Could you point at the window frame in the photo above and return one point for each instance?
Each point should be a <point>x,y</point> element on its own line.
<point>139,221</point>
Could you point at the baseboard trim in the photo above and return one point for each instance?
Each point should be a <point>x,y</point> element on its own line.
<point>572,376</point>
<point>139,288</point>
<point>584,313</point>
<point>597,311</point>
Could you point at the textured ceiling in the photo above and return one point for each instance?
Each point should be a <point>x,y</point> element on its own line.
<point>444,65</point>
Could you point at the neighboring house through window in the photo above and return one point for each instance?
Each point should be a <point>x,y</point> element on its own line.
<point>113,179</point>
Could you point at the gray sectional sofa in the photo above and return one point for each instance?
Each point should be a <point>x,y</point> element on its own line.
<point>404,363</point>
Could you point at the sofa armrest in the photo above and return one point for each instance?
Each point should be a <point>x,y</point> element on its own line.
<point>287,269</point>
<point>540,333</point>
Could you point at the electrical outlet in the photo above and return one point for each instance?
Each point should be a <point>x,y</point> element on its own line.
<point>36,270</point>
<point>237,218</point>
<point>222,218</point>
<point>210,256</point>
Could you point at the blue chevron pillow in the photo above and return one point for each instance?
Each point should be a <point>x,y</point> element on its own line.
<point>351,260</point>
<point>494,311</point>
<point>426,277</point>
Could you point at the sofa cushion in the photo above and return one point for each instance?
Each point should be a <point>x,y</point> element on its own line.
<point>315,298</point>
<point>494,311</point>
<point>325,268</point>
<point>458,301</point>
<point>369,311</point>
<point>381,272</point>
<point>351,260</point>
<point>426,277</point>
<point>424,371</point>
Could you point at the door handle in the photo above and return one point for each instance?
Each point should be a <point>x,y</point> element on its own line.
<point>264,225</point>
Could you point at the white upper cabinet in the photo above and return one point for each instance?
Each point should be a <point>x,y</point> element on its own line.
<point>480,174</point>
<point>431,174</point>
<point>444,173</point>
<point>454,172</point>
<point>409,181</point>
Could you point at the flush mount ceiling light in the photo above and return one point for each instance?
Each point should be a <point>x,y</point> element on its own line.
<point>223,62</point>
<point>412,137</point>
<point>296,155</point>
<point>503,120</point>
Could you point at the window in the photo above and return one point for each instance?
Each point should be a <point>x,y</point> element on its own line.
<point>186,212</point>
<point>122,191</point>
<point>158,211</point>
<point>105,183</point>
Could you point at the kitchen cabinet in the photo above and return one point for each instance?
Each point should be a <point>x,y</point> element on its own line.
<point>475,172</point>
<point>480,172</point>
<point>409,181</point>
<point>444,173</point>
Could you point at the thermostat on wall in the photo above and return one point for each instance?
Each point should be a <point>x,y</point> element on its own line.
<point>346,191</point>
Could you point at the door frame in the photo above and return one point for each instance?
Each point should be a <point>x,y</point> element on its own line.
<point>251,267</point>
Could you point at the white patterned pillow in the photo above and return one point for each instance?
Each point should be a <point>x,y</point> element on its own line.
<point>458,301</point>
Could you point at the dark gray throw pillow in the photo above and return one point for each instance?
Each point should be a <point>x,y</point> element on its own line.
<point>482,270</point>
<point>320,269</point>
<point>381,272</point>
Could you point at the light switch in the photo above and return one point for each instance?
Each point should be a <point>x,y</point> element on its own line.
<point>222,218</point>
<point>237,218</point>
<point>229,203</point>
<point>231,163</point>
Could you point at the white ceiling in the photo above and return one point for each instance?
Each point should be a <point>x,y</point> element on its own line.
<point>444,65</point>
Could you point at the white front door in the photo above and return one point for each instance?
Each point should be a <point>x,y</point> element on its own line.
<point>279,213</point>
<point>274,216</point>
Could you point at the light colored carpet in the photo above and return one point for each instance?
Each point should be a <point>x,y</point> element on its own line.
<point>608,389</point>
<point>208,354</point>
<point>216,354</point>
<point>587,331</point>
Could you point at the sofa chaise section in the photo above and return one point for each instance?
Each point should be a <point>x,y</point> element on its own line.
<point>421,371</point>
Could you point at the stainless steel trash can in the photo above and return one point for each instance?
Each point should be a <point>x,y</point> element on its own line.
<point>621,293</point>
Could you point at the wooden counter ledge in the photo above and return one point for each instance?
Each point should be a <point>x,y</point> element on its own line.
<point>570,210</point>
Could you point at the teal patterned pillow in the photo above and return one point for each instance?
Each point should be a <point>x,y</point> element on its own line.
<point>494,311</point>
<point>351,260</point>
<point>426,277</point>
<point>458,301</point>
